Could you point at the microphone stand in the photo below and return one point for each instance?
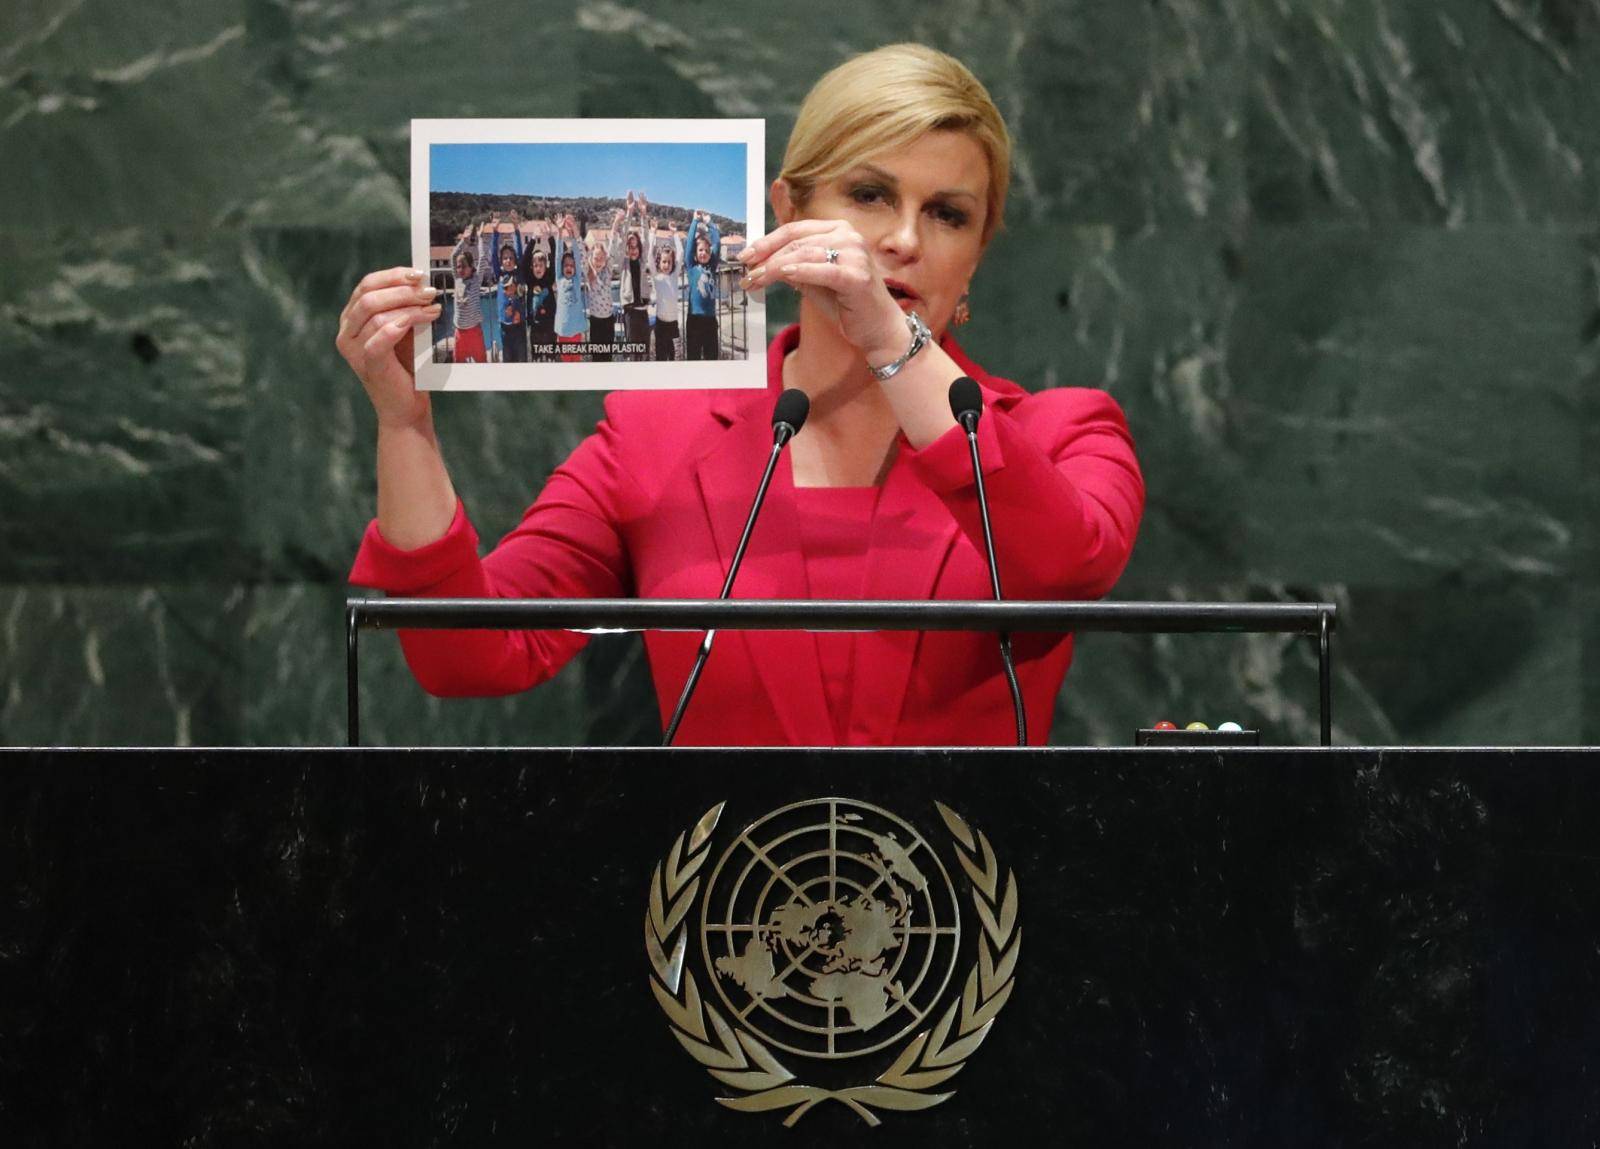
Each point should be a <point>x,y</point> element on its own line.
<point>782,433</point>
<point>969,422</point>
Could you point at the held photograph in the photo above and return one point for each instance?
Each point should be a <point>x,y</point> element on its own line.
<point>588,254</point>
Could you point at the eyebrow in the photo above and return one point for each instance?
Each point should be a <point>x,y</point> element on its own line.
<point>943,193</point>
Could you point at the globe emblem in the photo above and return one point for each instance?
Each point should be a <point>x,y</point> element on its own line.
<point>830,928</point>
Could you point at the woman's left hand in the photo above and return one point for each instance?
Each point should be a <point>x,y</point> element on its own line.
<point>849,290</point>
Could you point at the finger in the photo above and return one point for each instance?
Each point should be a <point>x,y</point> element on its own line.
<point>381,300</point>
<point>771,270</point>
<point>377,358</point>
<point>382,341</point>
<point>388,277</point>
<point>405,316</point>
<point>839,280</point>
<point>808,250</point>
<point>762,248</point>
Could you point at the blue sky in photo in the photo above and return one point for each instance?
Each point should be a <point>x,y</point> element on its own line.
<point>690,175</point>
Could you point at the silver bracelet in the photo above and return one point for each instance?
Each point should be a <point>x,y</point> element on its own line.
<point>920,338</point>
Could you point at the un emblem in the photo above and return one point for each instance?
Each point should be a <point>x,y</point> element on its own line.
<point>830,930</point>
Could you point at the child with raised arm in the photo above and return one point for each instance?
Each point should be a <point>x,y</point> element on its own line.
<point>541,281</point>
<point>572,320</point>
<point>636,280</point>
<point>468,296</point>
<point>511,297</point>
<point>597,287</point>
<point>488,289</point>
<point>668,256</point>
<point>705,254</point>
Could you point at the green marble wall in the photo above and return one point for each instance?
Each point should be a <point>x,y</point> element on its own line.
<point>1336,258</point>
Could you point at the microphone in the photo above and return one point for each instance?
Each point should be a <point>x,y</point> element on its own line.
<point>788,416</point>
<point>966,405</point>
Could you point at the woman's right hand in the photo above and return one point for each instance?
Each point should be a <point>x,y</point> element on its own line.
<point>375,339</point>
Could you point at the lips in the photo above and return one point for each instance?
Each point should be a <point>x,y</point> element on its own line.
<point>901,292</point>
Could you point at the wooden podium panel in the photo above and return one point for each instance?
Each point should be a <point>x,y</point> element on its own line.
<point>1132,947</point>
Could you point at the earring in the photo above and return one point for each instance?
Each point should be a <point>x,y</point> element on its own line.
<point>963,311</point>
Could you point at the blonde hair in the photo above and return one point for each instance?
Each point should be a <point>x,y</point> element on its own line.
<point>886,99</point>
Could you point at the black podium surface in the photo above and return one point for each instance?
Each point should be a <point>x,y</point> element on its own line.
<point>1247,947</point>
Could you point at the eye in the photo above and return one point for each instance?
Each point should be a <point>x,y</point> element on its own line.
<point>953,216</point>
<point>868,194</point>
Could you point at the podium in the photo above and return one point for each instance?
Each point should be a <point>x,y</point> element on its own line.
<point>1243,947</point>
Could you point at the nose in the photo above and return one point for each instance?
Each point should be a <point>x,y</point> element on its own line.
<point>902,242</point>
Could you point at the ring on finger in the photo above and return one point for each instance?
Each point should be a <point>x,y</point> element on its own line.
<point>831,254</point>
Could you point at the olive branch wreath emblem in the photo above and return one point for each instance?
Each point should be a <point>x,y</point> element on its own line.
<point>741,1061</point>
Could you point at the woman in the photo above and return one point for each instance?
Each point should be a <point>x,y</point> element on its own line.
<point>893,182</point>
<point>665,289</point>
<point>705,247</point>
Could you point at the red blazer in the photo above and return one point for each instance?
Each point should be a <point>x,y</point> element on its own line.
<point>652,504</point>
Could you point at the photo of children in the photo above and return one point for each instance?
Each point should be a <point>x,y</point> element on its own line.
<point>578,254</point>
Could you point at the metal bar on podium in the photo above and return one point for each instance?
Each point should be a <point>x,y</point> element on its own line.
<point>1325,677</point>
<point>352,673</point>
<point>621,615</point>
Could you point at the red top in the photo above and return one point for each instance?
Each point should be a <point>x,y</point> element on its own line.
<point>835,530</point>
<point>653,503</point>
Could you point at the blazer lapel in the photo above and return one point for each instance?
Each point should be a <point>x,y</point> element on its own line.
<point>773,567</point>
<point>912,533</point>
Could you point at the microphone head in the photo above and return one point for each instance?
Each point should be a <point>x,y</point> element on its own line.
<point>792,408</point>
<point>966,401</point>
